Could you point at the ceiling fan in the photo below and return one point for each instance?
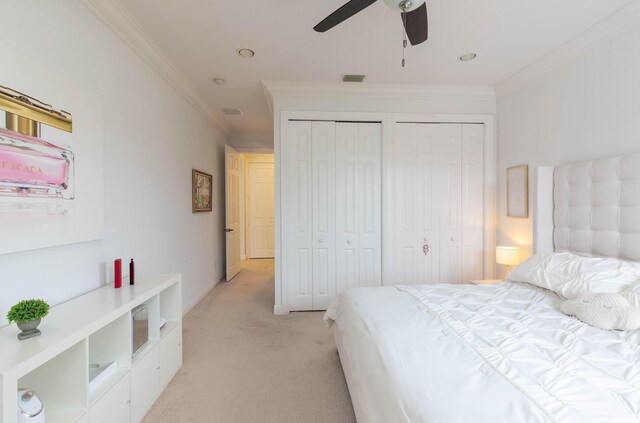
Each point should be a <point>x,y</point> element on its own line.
<point>412,12</point>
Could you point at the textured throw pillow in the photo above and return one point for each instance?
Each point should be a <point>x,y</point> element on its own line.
<point>604,311</point>
<point>574,276</point>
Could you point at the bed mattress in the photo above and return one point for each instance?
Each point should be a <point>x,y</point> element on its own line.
<point>467,353</point>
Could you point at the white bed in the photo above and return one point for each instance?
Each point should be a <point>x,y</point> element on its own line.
<point>503,353</point>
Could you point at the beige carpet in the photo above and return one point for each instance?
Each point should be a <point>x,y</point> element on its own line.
<point>243,364</point>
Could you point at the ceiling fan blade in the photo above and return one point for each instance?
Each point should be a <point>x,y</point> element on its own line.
<point>346,11</point>
<point>416,25</point>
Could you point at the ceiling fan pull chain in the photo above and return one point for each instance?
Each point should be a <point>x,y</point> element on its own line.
<point>404,35</point>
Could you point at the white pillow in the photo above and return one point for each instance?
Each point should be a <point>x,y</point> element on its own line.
<point>574,276</point>
<point>604,311</point>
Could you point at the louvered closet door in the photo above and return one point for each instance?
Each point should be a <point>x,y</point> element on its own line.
<point>324,213</point>
<point>358,205</point>
<point>298,227</point>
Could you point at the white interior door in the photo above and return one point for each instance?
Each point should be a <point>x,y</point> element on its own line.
<point>232,210</point>
<point>261,210</point>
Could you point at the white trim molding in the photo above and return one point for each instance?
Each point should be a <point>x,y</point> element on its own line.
<point>618,22</point>
<point>121,23</point>
<point>344,89</point>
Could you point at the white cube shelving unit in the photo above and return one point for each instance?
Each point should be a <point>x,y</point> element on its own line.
<point>96,327</point>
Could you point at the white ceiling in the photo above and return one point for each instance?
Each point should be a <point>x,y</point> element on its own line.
<point>201,38</point>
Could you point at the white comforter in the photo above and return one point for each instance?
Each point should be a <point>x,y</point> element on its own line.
<point>465,353</point>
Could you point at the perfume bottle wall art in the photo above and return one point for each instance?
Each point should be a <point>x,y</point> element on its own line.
<point>29,165</point>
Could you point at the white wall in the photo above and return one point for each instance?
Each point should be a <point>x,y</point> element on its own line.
<point>585,109</point>
<point>152,140</point>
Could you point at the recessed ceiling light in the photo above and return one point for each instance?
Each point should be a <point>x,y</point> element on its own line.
<point>467,57</point>
<point>218,81</point>
<point>246,53</point>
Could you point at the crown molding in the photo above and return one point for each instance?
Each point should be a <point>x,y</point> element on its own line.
<point>616,23</point>
<point>274,90</point>
<point>121,23</point>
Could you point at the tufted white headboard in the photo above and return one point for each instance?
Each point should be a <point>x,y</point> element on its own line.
<point>596,207</point>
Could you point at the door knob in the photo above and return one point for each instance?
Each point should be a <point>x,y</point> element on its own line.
<point>228,230</point>
<point>349,242</point>
<point>425,247</point>
<point>320,241</point>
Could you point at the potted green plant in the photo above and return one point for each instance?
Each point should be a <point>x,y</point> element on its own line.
<point>27,315</point>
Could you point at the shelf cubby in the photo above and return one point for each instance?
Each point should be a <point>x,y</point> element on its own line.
<point>112,343</point>
<point>170,308</point>
<point>61,384</point>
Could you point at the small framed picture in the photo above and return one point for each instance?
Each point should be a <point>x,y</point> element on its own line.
<point>518,191</point>
<point>201,191</point>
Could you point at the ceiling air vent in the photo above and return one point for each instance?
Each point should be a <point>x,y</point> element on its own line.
<point>232,112</point>
<point>352,78</point>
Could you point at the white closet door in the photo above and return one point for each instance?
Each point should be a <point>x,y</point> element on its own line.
<point>449,202</point>
<point>369,204</point>
<point>404,200</point>
<point>324,213</point>
<point>347,206</point>
<point>416,203</point>
<point>472,201</point>
<point>297,216</point>
<point>427,202</point>
<point>358,205</point>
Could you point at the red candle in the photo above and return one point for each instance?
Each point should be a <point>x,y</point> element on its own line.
<point>117,273</point>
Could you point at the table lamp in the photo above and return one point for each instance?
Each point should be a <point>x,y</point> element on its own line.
<point>509,257</point>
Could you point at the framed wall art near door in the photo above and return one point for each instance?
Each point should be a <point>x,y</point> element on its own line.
<point>201,194</point>
<point>518,191</point>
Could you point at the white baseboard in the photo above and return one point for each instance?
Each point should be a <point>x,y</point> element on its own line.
<point>187,308</point>
<point>278,310</point>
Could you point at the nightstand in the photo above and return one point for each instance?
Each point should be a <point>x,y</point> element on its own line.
<point>486,282</point>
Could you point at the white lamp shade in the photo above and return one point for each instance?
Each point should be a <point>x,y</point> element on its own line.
<point>509,256</point>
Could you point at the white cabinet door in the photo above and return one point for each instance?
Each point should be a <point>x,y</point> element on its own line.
<point>145,384</point>
<point>323,213</point>
<point>297,223</point>
<point>170,355</point>
<point>114,406</point>
<point>472,201</point>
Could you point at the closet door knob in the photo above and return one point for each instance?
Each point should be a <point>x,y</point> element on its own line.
<point>320,241</point>
<point>349,242</point>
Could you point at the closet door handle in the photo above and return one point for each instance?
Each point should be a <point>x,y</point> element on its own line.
<point>425,247</point>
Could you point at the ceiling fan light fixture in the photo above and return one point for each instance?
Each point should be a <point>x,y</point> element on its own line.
<point>247,53</point>
<point>397,5</point>
<point>468,57</point>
